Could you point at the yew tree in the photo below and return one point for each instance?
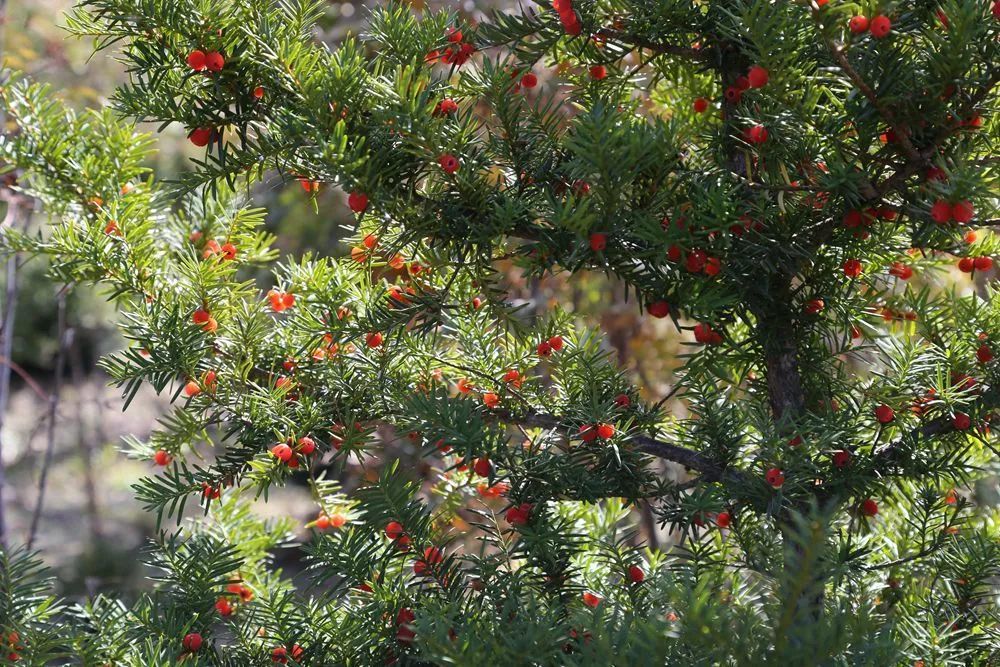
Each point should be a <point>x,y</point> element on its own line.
<point>802,190</point>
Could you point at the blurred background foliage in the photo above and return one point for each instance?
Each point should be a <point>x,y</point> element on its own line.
<point>91,527</point>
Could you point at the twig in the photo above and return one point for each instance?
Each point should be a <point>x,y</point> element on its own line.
<point>656,47</point>
<point>64,336</point>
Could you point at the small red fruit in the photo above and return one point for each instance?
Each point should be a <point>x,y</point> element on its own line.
<point>491,400</point>
<point>196,60</point>
<point>373,339</point>
<point>449,163</point>
<point>884,414</point>
<point>162,457</point>
<point>358,201</point>
<point>201,136</point>
<point>529,80</point>
<point>192,389</point>
<point>214,61</point>
<point>723,519</point>
<point>556,342</point>
<point>852,268</point>
<point>192,642</point>
<point>258,92</point>
<point>963,211</point>
<point>880,26</point>
<point>482,466</point>
<point>941,211</point>
<point>306,445</point>
<point>775,477</point>
<point>605,431</point>
<point>623,401</point>
<point>961,421</point>
<point>432,557</point>
<point>858,25</point>
<point>598,242</point>
<point>814,306</point>
<point>636,574</point>
<point>700,105</point>
<point>983,263</point>
<point>756,135</point>
<point>984,354</point>
<point>841,458</point>
<point>588,433</point>
<point>659,309</point>
<point>519,515</point>
<point>591,600</point>
<point>282,452</point>
<point>544,349</point>
<point>966,265</point>
<point>758,76</point>
<point>869,507</point>
<point>598,72</point>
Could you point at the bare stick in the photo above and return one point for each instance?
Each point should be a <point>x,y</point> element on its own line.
<point>64,336</point>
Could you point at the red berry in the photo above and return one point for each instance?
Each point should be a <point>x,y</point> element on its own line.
<point>996,10</point>
<point>605,431</point>
<point>884,414</point>
<point>449,163</point>
<point>659,309</point>
<point>853,219</point>
<point>519,515</point>
<point>394,530</point>
<point>700,105</point>
<point>373,339</point>
<point>454,35</point>
<point>869,507</point>
<point>636,574</point>
<point>282,452</point>
<point>983,263</point>
<point>814,306</point>
<point>841,458</point>
<point>196,60</point>
<point>279,654</point>
<point>901,271</point>
<point>201,136</point>
<point>743,83</point>
<point>598,242</point>
<point>590,599</point>
<point>757,76</point>
<point>556,342</point>
<point>192,642</point>
<point>775,477</point>
<point>723,519</point>
<point>598,72</point>
<point>588,433</point>
<point>446,107</point>
<point>162,458</point>
<point>622,400</point>
<point>984,354</point>
<point>852,268</point>
<point>214,61</point>
<point>306,445</point>
<point>962,212</point>
<point>529,80</point>
<point>482,466</point>
<point>961,421</point>
<point>756,134</point>
<point>966,265</point>
<point>192,389</point>
<point>258,92</point>
<point>858,25</point>
<point>941,212</point>
<point>358,201</point>
<point>432,557</point>
<point>544,349</point>
<point>880,26</point>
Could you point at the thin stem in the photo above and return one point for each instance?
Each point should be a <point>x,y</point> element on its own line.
<point>64,336</point>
